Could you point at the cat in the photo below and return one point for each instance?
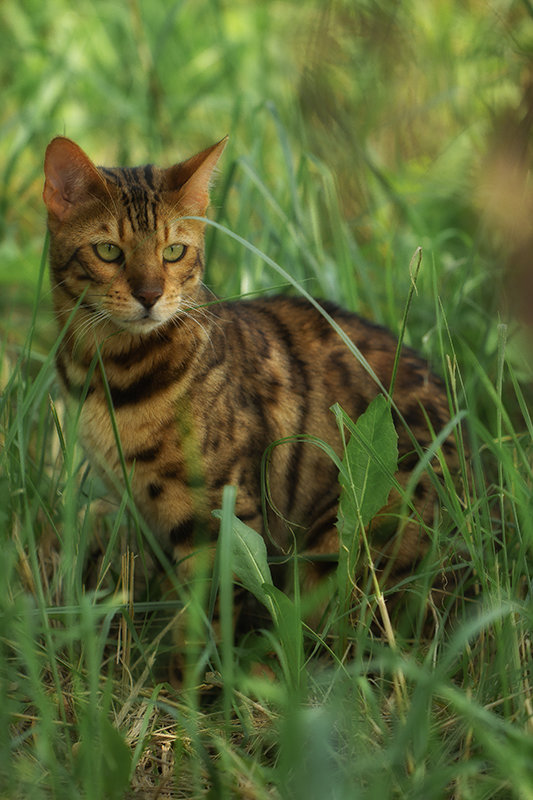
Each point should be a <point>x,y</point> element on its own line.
<point>200,389</point>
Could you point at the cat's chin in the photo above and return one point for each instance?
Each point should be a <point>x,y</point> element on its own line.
<point>141,326</point>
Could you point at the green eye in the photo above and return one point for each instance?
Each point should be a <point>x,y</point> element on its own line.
<point>108,251</point>
<point>174,252</point>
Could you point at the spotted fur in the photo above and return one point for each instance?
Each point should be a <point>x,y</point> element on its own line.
<point>201,389</point>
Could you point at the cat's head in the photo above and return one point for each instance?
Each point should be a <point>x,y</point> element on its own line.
<point>120,239</point>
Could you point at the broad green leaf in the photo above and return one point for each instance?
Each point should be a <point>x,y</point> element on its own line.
<point>249,559</point>
<point>249,563</point>
<point>289,629</point>
<point>368,467</point>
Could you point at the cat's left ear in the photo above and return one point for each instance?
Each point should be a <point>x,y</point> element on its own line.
<point>192,179</point>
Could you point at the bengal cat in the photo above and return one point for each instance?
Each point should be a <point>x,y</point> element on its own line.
<point>199,393</point>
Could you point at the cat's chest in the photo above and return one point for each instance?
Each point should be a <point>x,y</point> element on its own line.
<point>116,436</point>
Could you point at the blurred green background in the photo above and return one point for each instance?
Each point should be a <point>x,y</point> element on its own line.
<point>358,131</point>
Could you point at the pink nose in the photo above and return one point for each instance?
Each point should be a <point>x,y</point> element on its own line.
<point>148,297</point>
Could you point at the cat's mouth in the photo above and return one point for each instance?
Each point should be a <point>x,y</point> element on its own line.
<point>142,324</point>
<point>140,320</point>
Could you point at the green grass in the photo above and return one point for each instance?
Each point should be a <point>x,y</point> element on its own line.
<point>359,131</point>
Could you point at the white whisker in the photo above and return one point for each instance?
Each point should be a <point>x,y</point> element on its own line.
<point>184,318</point>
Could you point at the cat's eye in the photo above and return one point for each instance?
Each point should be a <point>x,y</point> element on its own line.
<point>108,251</point>
<point>174,252</point>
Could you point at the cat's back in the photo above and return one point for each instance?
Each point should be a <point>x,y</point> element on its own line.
<point>288,337</point>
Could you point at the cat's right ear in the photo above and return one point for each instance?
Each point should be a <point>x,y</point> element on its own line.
<point>70,177</point>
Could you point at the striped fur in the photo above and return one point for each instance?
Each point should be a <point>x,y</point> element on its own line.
<point>200,390</point>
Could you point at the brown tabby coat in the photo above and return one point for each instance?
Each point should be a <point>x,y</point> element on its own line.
<point>199,393</point>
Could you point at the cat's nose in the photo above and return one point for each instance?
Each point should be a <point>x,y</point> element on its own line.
<point>148,297</point>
